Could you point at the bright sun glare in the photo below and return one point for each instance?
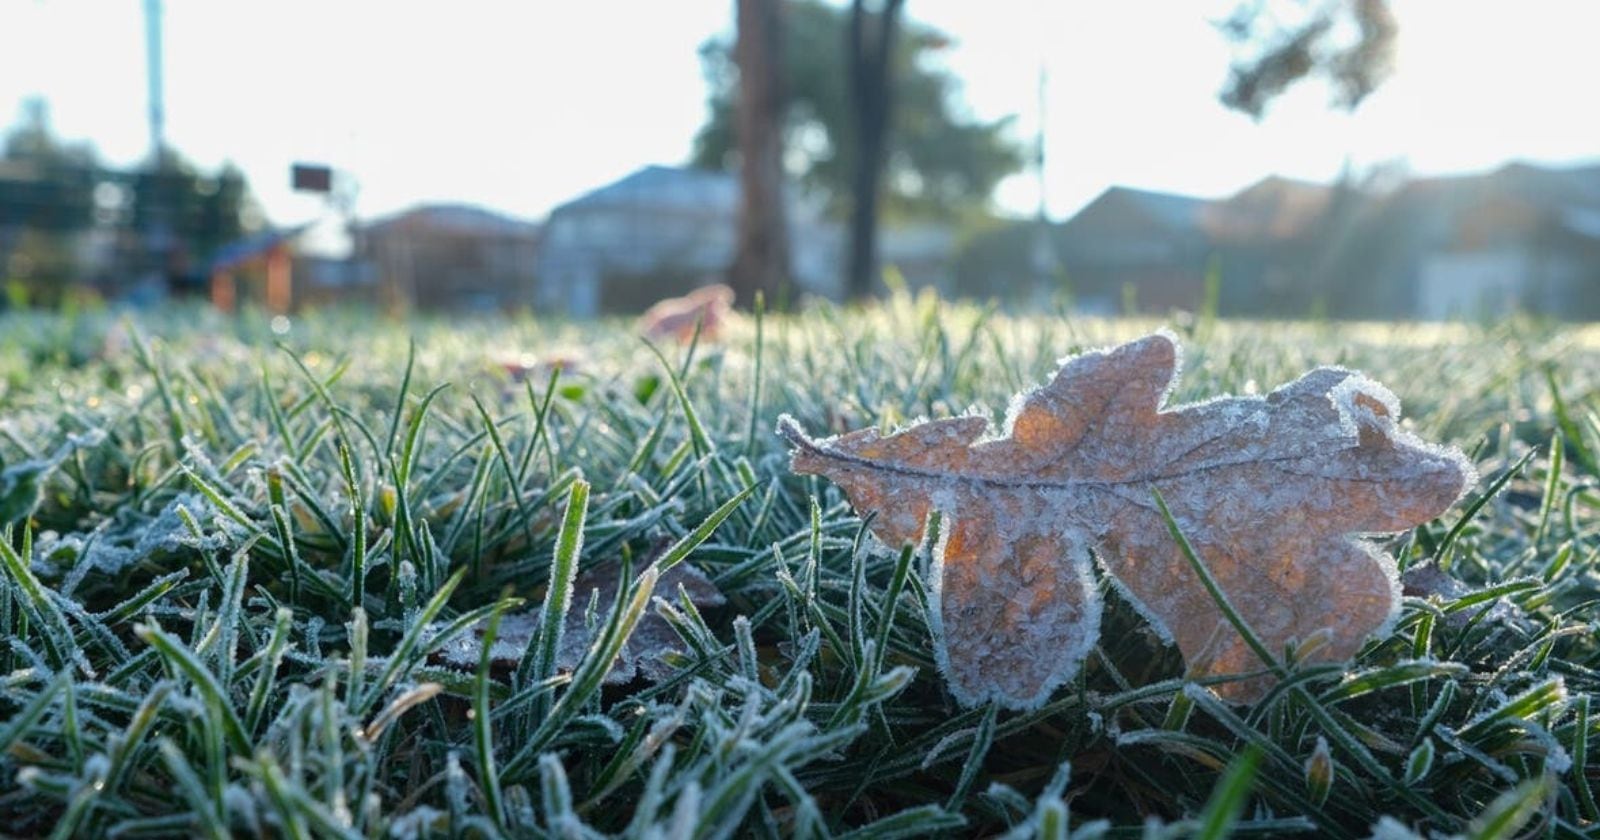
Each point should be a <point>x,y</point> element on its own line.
<point>521,107</point>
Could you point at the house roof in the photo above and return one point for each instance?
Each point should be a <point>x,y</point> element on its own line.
<point>1170,209</point>
<point>1115,209</point>
<point>1565,184</point>
<point>1475,210</point>
<point>1274,207</point>
<point>240,251</point>
<point>1470,210</point>
<point>1524,181</point>
<point>665,188</point>
<point>456,218</point>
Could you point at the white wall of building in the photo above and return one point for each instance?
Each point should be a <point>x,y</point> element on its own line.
<point>1471,284</point>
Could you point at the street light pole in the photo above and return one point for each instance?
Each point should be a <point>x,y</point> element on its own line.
<point>158,233</point>
<point>1046,267</point>
<point>154,79</point>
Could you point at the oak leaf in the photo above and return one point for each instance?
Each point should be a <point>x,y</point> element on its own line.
<point>1272,492</point>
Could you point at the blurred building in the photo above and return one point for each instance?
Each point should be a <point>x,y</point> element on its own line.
<point>1129,243</point>
<point>452,257</point>
<point>662,231</point>
<point>658,233</point>
<point>283,269</point>
<point>1272,244</point>
<point>921,253</point>
<point>1520,238</point>
<point>70,226</point>
<point>257,269</point>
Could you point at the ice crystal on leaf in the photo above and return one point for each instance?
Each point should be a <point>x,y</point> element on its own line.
<point>1273,493</point>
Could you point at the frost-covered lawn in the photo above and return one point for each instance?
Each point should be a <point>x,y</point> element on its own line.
<point>244,590</point>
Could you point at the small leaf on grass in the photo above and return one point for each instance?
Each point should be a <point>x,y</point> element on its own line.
<point>644,654</point>
<point>1270,490</point>
<point>1319,773</point>
<point>704,311</point>
<point>1429,580</point>
<point>1420,762</point>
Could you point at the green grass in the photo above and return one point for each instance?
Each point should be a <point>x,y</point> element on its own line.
<point>230,564</point>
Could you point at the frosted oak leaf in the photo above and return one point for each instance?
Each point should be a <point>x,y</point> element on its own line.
<point>1273,492</point>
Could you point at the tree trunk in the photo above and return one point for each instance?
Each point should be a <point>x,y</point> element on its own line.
<point>870,52</point>
<point>761,261</point>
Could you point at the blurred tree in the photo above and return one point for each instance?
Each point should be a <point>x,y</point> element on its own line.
<point>39,267</point>
<point>933,160</point>
<point>48,184</point>
<point>194,212</point>
<point>1349,42</point>
<point>169,218</point>
<point>46,200</point>
<point>869,51</point>
<point>761,255</point>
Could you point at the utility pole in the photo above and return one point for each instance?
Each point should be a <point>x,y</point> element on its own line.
<point>1046,267</point>
<point>1038,140</point>
<point>158,233</point>
<point>153,76</point>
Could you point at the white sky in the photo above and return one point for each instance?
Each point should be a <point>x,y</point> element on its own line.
<point>520,106</point>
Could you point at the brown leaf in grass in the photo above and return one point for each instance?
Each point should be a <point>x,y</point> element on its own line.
<point>644,654</point>
<point>1271,491</point>
<point>706,309</point>
<point>520,367</point>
